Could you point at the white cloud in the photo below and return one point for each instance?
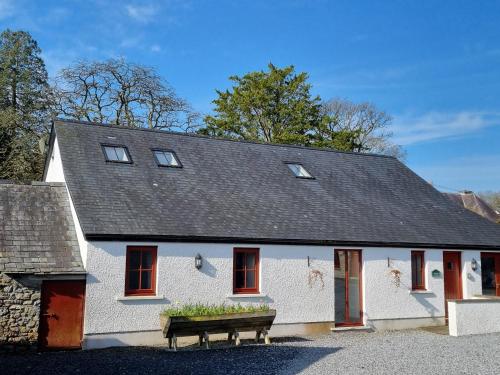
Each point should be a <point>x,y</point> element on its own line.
<point>6,8</point>
<point>438,125</point>
<point>142,13</point>
<point>155,48</point>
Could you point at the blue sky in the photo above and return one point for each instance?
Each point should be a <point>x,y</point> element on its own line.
<point>433,65</point>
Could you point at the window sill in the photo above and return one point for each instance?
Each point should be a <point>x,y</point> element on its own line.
<point>138,298</point>
<point>246,295</point>
<point>421,291</point>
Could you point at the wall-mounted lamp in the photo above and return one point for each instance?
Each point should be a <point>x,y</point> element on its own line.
<point>473,264</point>
<point>198,261</point>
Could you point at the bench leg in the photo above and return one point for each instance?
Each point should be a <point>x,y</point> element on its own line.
<point>205,336</point>
<point>267,339</point>
<point>174,339</point>
<point>237,340</point>
<point>257,336</point>
<point>230,337</point>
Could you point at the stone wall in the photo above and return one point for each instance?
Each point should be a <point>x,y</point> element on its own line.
<point>19,312</point>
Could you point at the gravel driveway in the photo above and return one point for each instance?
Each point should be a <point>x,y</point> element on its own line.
<point>399,352</point>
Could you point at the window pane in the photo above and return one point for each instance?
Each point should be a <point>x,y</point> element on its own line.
<point>166,158</point>
<point>134,260</point>
<point>239,281</point>
<point>110,153</point>
<point>299,171</point>
<point>146,280</point>
<point>147,259</point>
<point>133,280</point>
<point>303,172</point>
<point>121,154</point>
<point>171,159</point>
<point>250,279</point>
<point>161,157</point>
<point>250,260</point>
<point>240,260</point>
<point>294,168</point>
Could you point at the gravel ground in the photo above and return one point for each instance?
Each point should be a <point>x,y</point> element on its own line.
<point>400,352</point>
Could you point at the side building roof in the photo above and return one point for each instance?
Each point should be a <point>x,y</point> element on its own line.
<point>37,234</point>
<point>242,191</point>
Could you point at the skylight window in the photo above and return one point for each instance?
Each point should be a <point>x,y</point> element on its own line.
<point>117,154</point>
<point>299,171</point>
<point>166,158</point>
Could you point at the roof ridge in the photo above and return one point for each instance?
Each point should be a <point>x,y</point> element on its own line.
<point>212,138</point>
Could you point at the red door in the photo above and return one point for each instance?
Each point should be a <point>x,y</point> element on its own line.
<point>452,277</point>
<point>61,314</point>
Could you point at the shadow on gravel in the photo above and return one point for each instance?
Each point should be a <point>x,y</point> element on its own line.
<point>256,359</point>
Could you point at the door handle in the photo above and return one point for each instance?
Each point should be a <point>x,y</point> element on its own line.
<point>50,315</point>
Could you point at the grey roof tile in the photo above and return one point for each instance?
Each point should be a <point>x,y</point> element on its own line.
<point>242,191</point>
<point>37,234</point>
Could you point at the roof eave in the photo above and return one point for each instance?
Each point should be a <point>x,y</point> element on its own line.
<point>278,241</point>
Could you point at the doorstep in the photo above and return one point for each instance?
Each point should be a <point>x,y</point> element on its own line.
<point>352,329</point>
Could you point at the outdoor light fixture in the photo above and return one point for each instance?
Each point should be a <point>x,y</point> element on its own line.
<point>473,264</point>
<point>197,261</point>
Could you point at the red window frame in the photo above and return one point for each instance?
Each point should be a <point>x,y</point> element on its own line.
<point>141,291</point>
<point>255,270</point>
<point>417,271</point>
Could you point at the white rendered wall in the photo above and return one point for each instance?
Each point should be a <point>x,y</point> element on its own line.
<point>471,279</point>
<point>471,317</point>
<point>384,300</point>
<point>284,277</point>
<point>284,283</point>
<point>55,173</point>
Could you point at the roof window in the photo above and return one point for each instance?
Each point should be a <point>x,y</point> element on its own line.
<point>116,154</point>
<point>166,158</point>
<point>299,171</point>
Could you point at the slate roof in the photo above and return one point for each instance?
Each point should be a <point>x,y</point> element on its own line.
<point>37,234</point>
<point>474,203</point>
<point>244,192</point>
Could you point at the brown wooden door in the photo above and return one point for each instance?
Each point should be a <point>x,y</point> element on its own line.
<point>452,277</point>
<point>61,314</point>
<point>348,288</point>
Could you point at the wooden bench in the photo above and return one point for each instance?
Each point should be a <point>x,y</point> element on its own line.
<point>232,324</point>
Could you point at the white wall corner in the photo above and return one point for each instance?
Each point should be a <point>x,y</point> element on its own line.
<point>55,173</point>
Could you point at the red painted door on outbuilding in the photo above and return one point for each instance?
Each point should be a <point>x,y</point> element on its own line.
<point>61,314</point>
<point>452,277</point>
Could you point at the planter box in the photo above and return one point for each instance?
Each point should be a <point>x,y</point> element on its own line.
<point>201,326</point>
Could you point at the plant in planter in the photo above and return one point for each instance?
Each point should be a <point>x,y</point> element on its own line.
<point>201,320</point>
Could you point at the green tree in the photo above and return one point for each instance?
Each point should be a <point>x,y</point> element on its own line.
<point>271,106</point>
<point>24,106</point>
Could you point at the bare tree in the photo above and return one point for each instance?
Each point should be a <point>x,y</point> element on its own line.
<point>366,121</point>
<point>121,93</point>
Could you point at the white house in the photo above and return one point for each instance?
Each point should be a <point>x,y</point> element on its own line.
<point>326,238</point>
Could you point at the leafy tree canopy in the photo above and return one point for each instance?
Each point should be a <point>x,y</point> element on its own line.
<point>271,106</point>
<point>24,106</point>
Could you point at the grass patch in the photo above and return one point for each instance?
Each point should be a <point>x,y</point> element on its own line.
<point>199,309</point>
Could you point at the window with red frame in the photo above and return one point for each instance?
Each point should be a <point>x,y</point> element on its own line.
<point>417,270</point>
<point>246,270</point>
<point>140,274</point>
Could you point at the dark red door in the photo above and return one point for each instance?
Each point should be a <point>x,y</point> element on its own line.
<point>61,314</point>
<point>452,277</point>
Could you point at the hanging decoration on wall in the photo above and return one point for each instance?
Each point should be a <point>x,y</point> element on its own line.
<point>395,275</point>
